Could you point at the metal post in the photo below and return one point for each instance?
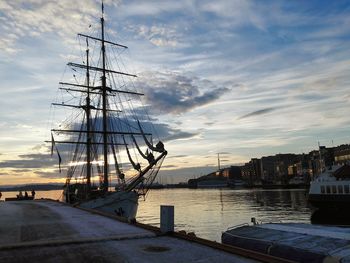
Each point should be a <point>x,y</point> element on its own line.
<point>166,218</point>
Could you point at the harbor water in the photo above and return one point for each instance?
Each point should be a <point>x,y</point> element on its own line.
<point>208,212</point>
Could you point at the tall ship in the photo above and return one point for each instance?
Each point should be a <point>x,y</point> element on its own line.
<point>107,136</point>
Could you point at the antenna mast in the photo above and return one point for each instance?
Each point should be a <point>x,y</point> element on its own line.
<point>219,162</point>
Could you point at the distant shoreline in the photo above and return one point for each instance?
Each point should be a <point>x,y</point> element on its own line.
<point>48,187</point>
<point>44,187</point>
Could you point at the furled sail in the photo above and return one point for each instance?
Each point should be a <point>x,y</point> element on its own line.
<point>159,147</point>
<point>148,156</point>
<point>138,148</point>
<point>120,174</point>
<point>136,166</point>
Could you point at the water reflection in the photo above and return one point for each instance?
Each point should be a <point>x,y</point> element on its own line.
<point>208,212</point>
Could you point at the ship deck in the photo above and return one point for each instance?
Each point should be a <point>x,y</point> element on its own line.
<point>49,231</point>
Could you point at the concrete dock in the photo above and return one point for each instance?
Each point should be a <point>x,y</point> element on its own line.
<point>49,231</point>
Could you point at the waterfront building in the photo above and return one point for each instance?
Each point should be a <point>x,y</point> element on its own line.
<point>232,172</point>
<point>252,172</point>
<point>342,154</point>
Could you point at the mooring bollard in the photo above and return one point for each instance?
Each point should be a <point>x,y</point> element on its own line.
<point>166,218</point>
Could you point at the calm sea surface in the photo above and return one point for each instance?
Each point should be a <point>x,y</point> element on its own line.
<point>208,212</point>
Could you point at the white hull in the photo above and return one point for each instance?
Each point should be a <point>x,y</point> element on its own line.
<point>124,204</point>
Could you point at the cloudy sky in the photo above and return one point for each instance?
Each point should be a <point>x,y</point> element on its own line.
<point>237,77</point>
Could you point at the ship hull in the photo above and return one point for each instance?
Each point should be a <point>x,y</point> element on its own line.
<point>329,201</point>
<point>121,203</point>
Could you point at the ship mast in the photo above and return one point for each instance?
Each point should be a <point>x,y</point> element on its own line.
<point>104,107</point>
<point>88,128</point>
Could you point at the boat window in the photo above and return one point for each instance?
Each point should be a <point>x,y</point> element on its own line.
<point>340,189</point>
<point>328,189</point>
<point>346,189</point>
<point>323,190</point>
<point>334,189</point>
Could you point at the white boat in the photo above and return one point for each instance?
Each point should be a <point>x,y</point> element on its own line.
<point>331,189</point>
<point>108,130</point>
